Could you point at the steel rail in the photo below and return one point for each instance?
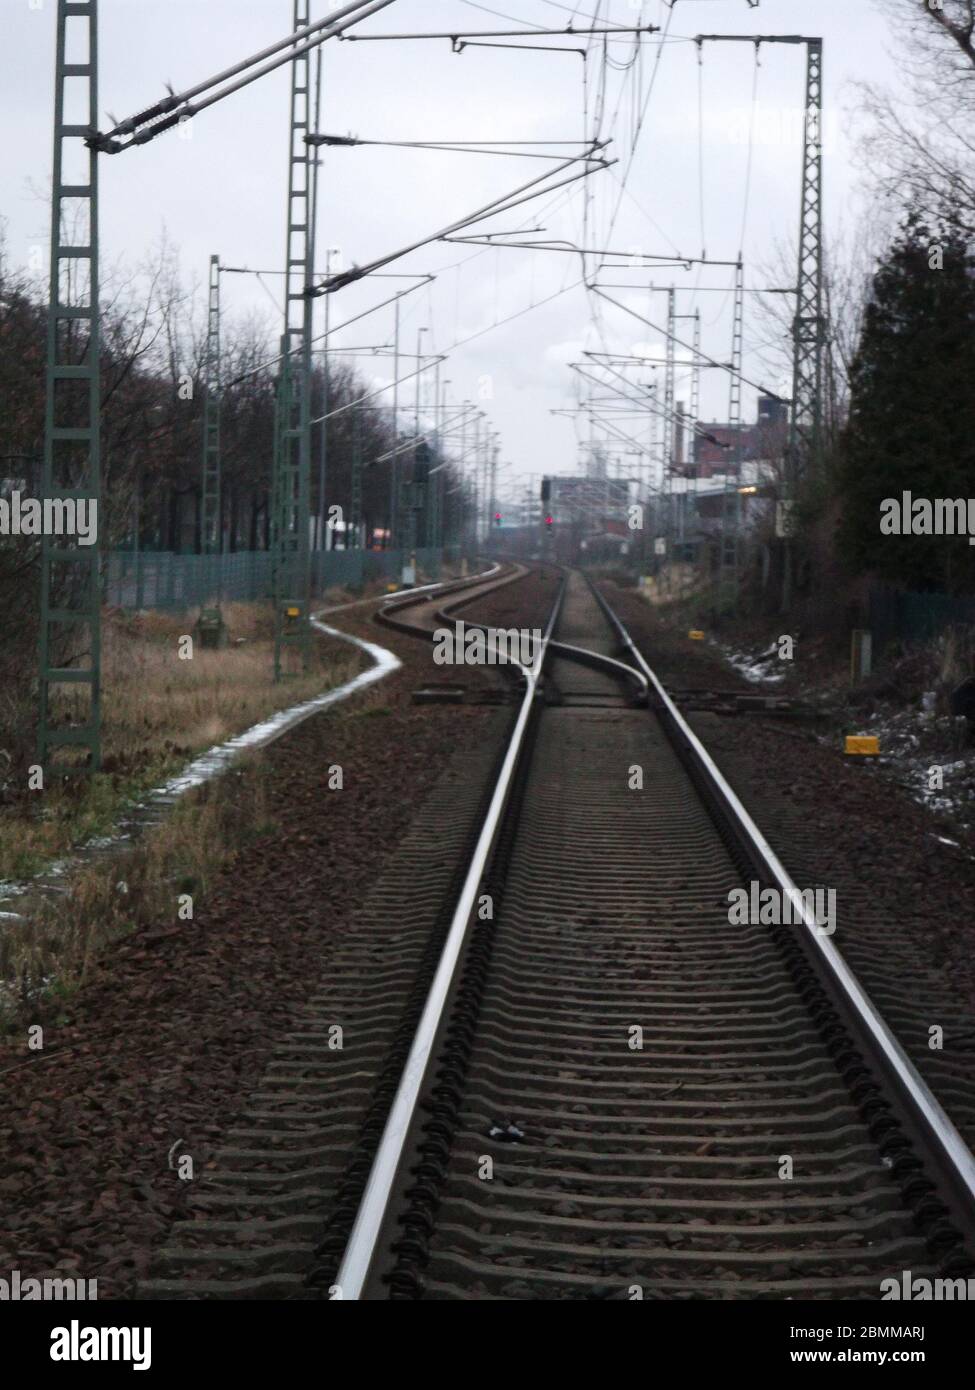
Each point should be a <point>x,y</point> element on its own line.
<point>956,1159</point>
<point>361,1249</point>
<point>589,658</point>
<point>411,598</point>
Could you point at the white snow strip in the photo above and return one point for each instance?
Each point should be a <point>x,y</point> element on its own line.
<point>210,764</point>
<point>220,758</point>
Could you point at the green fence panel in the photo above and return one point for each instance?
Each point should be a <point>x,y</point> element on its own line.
<point>178,583</point>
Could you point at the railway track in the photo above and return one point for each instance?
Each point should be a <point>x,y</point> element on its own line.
<point>614,1093</point>
<point>564,1074</point>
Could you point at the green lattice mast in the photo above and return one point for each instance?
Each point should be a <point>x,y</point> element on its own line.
<point>291,578</point>
<point>70,617</point>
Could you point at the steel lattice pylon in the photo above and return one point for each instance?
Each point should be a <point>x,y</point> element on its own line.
<point>737,352</point>
<point>809,328</point>
<point>670,384</point>
<point>737,355</point>
<point>355,520</point>
<point>290,564</point>
<point>695,387</point>
<point>210,518</point>
<point>70,573</point>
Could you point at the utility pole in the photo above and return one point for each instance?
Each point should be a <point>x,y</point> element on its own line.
<point>318,527</point>
<point>322,519</point>
<point>670,423</point>
<point>394,525</point>
<point>291,540</point>
<point>412,488</point>
<point>495,451</point>
<point>463,456</point>
<point>211,530</point>
<point>355,520</point>
<point>735,420</point>
<point>479,503</point>
<point>805,442</point>
<point>435,534</point>
<point>71,573</point>
<point>433,484</point>
<point>692,483</point>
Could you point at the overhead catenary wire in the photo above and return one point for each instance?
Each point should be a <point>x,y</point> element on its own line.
<point>453,147</point>
<point>457,36</point>
<point>672,416</point>
<point>758,386</point>
<point>337,328</point>
<point>163,115</point>
<point>516,198</point>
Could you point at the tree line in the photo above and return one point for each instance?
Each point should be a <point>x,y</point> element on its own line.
<point>899,334</point>
<point>152,356</point>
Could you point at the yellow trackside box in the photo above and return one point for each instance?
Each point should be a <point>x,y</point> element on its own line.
<point>696,636</point>
<point>863,747</point>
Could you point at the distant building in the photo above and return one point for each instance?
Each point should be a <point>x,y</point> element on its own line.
<point>591,500</point>
<point>716,446</point>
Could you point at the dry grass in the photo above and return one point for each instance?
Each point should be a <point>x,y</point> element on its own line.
<point>154,699</point>
<point>158,712</point>
<point>46,957</point>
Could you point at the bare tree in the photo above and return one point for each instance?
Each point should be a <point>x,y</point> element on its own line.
<point>848,265</point>
<point>957,21</point>
<point>917,139</point>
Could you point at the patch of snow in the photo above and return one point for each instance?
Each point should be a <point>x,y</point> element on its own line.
<point>756,669</point>
<point>909,743</point>
<point>219,758</point>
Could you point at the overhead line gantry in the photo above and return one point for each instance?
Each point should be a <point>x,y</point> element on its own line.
<point>809,324</point>
<point>71,575</point>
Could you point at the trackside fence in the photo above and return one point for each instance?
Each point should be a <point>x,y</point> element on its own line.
<point>154,579</point>
<point>910,618</point>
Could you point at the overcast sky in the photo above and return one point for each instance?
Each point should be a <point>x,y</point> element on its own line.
<point>223,190</point>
